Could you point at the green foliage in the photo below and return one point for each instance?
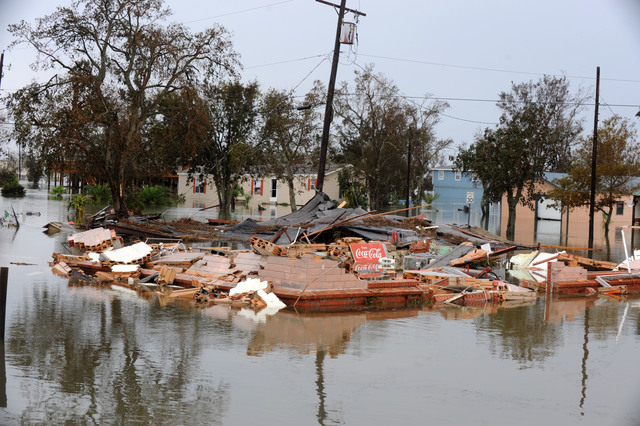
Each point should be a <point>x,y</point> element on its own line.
<point>237,191</point>
<point>101,194</point>
<point>115,62</point>
<point>430,197</point>
<point>289,136</point>
<point>380,131</point>
<point>7,176</point>
<point>58,191</point>
<point>34,169</point>
<point>151,196</point>
<point>353,190</point>
<point>154,195</point>
<point>13,189</point>
<point>78,203</point>
<point>617,165</point>
<point>538,126</point>
<point>229,149</point>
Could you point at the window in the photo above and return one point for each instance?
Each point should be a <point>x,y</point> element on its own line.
<point>311,184</point>
<point>440,174</point>
<point>475,178</point>
<point>458,175</point>
<point>619,208</point>
<point>199,186</point>
<point>256,187</point>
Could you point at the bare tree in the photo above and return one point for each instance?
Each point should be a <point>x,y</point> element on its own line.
<point>290,134</point>
<point>378,129</point>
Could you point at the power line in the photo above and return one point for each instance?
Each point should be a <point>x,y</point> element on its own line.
<point>415,61</point>
<point>324,55</point>
<point>240,11</point>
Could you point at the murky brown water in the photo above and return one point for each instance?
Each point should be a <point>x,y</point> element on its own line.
<point>84,355</point>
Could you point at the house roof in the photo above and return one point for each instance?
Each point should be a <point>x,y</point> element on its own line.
<point>444,168</point>
<point>303,170</point>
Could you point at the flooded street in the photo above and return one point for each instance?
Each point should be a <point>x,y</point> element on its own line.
<point>86,355</point>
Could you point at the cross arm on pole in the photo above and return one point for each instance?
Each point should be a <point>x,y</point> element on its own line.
<point>357,12</point>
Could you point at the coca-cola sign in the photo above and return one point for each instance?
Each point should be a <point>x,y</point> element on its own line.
<point>366,267</point>
<point>368,252</point>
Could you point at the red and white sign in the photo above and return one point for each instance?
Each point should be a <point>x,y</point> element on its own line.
<point>368,252</point>
<point>367,267</point>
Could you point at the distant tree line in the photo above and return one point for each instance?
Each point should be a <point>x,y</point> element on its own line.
<point>539,131</point>
<point>133,96</point>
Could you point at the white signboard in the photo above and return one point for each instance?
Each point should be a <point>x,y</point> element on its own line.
<point>469,197</point>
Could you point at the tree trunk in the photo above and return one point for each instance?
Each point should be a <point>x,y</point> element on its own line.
<point>607,221</point>
<point>225,194</point>
<point>484,207</point>
<point>512,203</point>
<point>292,194</point>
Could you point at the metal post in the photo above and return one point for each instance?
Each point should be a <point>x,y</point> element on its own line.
<point>4,277</point>
<point>592,201</point>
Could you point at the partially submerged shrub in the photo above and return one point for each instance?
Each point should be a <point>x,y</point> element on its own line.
<point>13,189</point>
<point>100,193</point>
<point>78,203</point>
<point>7,176</point>
<point>58,191</point>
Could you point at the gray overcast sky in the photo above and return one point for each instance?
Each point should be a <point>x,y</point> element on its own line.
<point>454,49</point>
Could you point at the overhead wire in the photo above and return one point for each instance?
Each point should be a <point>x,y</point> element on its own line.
<point>416,61</point>
<point>240,11</point>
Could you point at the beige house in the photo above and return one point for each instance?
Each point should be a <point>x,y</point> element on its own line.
<point>200,193</point>
<point>563,228</point>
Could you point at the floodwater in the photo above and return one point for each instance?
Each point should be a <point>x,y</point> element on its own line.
<point>83,355</point>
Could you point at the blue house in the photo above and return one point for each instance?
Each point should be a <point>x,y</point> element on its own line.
<point>455,188</point>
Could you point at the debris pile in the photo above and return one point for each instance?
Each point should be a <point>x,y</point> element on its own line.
<point>321,258</point>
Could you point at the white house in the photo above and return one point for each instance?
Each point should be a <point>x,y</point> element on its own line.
<point>200,193</point>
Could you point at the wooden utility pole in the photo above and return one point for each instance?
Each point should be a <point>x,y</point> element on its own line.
<point>328,111</point>
<point>409,171</point>
<point>1,65</point>
<point>592,201</point>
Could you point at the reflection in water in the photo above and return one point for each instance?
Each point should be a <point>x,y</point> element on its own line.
<point>101,354</point>
<point>3,378</point>
<point>84,355</point>
<point>304,333</point>
<point>322,412</point>
<point>518,334</point>
<point>585,356</point>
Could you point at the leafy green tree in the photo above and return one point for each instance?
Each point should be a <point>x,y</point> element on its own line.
<point>100,193</point>
<point>353,190</point>
<point>538,128</point>
<point>289,135</point>
<point>10,185</point>
<point>34,169</point>
<point>617,169</point>
<point>230,147</point>
<point>115,63</point>
<point>7,176</point>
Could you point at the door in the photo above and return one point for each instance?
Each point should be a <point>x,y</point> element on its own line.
<point>274,190</point>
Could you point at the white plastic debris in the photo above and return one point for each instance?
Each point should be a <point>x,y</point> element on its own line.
<point>124,268</point>
<point>271,299</point>
<point>127,254</point>
<point>251,284</point>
